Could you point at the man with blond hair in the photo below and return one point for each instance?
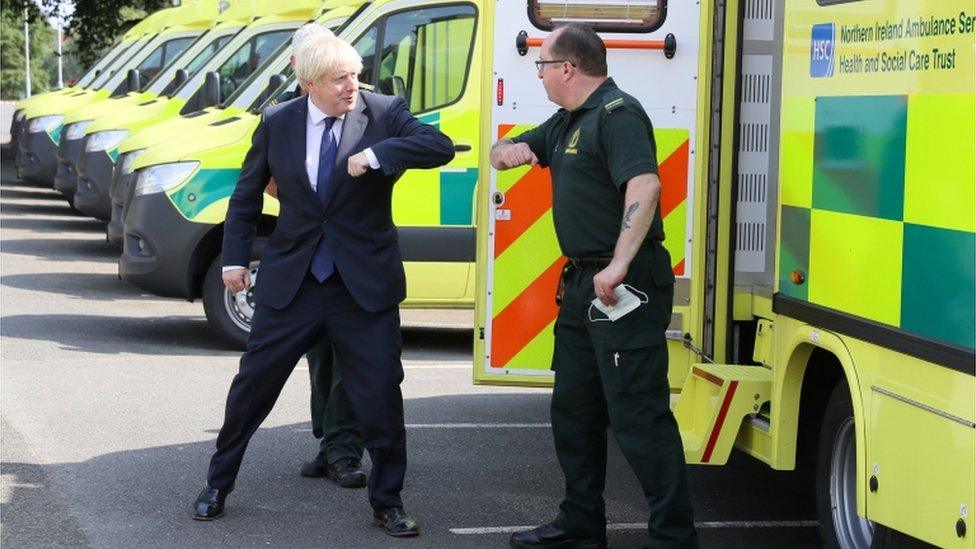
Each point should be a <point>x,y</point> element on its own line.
<point>332,265</point>
<point>333,421</point>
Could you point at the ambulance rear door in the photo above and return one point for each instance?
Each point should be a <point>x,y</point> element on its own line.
<point>652,54</point>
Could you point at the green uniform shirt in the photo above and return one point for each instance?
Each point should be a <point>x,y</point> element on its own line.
<point>592,152</point>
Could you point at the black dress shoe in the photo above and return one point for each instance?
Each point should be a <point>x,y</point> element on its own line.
<point>316,468</point>
<point>347,472</point>
<point>550,535</point>
<point>396,522</point>
<point>210,503</point>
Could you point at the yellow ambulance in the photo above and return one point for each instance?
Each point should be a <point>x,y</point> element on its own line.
<point>819,203</point>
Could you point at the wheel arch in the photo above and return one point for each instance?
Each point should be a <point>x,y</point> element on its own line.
<point>817,361</point>
<point>208,247</point>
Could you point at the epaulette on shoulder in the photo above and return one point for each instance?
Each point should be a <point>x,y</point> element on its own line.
<point>613,105</point>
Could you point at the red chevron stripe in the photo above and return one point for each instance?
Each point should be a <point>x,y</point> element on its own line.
<point>518,324</point>
<point>679,269</point>
<point>674,179</point>
<point>719,421</point>
<point>503,129</point>
<point>528,200</point>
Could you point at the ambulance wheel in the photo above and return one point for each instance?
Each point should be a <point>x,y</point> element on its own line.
<point>228,314</point>
<point>840,526</point>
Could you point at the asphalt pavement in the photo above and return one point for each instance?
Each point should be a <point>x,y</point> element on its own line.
<point>110,400</point>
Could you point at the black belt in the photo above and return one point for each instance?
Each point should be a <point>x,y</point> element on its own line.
<point>590,261</point>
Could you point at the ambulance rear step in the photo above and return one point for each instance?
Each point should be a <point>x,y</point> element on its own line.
<point>716,402</point>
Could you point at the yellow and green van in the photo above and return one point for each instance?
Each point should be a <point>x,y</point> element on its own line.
<point>41,132</point>
<point>249,95</point>
<point>244,38</point>
<point>427,52</point>
<point>104,63</point>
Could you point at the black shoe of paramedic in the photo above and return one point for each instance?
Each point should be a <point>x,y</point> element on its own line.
<point>346,472</point>
<point>550,535</point>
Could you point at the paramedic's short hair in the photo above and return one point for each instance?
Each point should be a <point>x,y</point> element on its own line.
<point>581,45</point>
<point>305,32</point>
<point>322,54</point>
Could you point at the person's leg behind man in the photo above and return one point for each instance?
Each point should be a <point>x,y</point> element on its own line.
<point>333,422</point>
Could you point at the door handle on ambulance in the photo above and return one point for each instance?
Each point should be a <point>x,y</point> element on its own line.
<point>669,45</point>
<point>462,147</point>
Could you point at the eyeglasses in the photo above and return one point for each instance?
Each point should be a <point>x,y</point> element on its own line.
<point>539,63</point>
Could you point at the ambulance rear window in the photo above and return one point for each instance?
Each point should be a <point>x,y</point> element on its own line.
<point>601,15</point>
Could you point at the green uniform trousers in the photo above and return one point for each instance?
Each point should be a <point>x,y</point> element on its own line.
<point>615,373</point>
<point>333,419</point>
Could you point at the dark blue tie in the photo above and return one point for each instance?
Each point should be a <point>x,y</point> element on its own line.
<point>323,264</point>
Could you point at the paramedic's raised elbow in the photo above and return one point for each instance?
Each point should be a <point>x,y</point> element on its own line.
<point>505,155</point>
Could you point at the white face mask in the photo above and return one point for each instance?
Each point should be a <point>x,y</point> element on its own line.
<point>628,299</point>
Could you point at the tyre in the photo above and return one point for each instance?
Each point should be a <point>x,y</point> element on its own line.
<point>840,526</point>
<point>228,314</point>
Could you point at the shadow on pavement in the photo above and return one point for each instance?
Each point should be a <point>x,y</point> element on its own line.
<point>85,286</point>
<point>434,343</point>
<point>59,225</point>
<point>37,194</point>
<point>38,209</point>
<point>103,334</point>
<point>64,249</point>
<point>457,478</point>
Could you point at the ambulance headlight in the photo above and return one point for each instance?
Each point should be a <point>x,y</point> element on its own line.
<point>163,177</point>
<point>102,141</point>
<point>76,130</point>
<point>128,159</point>
<point>44,123</point>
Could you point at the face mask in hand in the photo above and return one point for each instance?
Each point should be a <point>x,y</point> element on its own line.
<point>628,299</point>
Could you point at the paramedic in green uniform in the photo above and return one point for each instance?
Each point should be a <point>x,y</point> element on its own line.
<point>600,149</point>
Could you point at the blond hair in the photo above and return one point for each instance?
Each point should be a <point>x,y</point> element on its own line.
<point>322,54</point>
<point>305,33</point>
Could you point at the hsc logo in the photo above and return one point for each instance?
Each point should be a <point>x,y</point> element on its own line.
<point>822,50</point>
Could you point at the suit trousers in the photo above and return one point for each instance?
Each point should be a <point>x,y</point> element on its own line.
<point>333,419</point>
<point>367,346</point>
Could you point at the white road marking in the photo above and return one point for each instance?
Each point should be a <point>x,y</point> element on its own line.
<point>423,366</point>
<point>466,426</point>
<point>479,425</point>
<point>643,526</point>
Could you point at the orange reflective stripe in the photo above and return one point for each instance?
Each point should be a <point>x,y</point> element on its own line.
<point>528,199</point>
<point>673,173</point>
<point>526,316</point>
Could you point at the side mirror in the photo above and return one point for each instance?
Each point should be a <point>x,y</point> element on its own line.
<point>180,77</point>
<point>211,89</point>
<point>132,80</point>
<point>275,82</point>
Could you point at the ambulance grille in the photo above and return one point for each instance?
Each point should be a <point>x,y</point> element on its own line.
<point>755,165</point>
<point>755,88</point>
<point>753,137</point>
<point>759,9</point>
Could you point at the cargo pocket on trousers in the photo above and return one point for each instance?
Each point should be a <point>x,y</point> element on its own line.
<point>641,365</point>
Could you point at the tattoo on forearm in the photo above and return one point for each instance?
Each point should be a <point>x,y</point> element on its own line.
<point>630,211</point>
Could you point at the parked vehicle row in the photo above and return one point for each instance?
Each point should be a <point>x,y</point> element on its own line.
<point>818,212</point>
<point>156,148</point>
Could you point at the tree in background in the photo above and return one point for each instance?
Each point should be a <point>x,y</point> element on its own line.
<point>12,54</point>
<point>94,25</point>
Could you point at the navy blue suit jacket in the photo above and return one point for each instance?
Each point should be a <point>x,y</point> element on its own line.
<point>356,219</point>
